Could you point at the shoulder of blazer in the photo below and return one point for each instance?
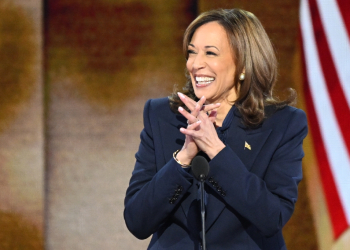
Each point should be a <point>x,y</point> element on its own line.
<point>288,120</point>
<point>282,116</point>
<point>272,115</point>
<point>278,121</point>
<point>160,110</point>
<point>272,110</point>
<point>160,105</point>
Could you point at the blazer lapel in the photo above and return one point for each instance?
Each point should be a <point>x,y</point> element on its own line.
<point>246,143</point>
<point>252,145</point>
<point>214,208</point>
<point>237,138</point>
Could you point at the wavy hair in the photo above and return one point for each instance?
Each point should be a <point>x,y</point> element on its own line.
<point>253,53</point>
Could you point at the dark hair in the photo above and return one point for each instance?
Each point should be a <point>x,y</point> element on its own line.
<point>253,54</point>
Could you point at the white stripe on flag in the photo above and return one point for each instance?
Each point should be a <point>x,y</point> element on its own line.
<point>338,41</point>
<point>332,138</point>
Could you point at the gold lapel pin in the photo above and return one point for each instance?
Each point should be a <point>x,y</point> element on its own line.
<point>246,145</point>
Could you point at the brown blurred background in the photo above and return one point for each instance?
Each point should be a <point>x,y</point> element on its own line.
<point>74,76</point>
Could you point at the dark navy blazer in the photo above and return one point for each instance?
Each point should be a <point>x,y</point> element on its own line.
<point>250,192</point>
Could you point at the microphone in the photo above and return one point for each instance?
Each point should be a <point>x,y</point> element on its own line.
<point>200,167</point>
<point>200,170</point>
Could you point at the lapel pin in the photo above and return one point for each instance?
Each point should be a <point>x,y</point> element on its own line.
<point>246,145</point>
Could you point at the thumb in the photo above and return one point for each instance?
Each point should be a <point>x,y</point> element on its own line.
<point>213,115</point>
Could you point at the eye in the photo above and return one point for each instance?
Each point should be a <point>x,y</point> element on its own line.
<point>190,51</point>
<point>211,53</point>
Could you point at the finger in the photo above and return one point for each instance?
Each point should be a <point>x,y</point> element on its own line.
<point>202,101</point>
<point>197,109</point>
<point>190,104</point>
<point>194,125</point>
<point>191,119</point>
<point>210,107</point>
<point>189,132</point>
<point>198,106</point>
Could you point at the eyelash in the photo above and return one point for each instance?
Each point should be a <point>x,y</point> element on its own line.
<point>210,53</point>
<point>190,51</point>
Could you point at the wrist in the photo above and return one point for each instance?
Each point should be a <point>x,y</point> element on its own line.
<point>181,159</point>
<point>215,150</point>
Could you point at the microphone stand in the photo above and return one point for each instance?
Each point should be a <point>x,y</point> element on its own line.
<point>200,170</point>
<point>201,186</point>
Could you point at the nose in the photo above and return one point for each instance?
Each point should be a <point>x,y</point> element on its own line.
<point>198,61</point>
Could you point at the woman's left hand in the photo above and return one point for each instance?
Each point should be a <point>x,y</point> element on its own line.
<point>203,134</point>
<point>191,105</point>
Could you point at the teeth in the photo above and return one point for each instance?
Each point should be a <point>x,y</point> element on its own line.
<point>204,79</point>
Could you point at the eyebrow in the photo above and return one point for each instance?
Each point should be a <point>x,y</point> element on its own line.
<point>207,47</point>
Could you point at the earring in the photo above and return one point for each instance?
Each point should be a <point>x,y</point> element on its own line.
<point>241,76</point>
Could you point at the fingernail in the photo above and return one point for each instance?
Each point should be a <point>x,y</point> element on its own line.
<point>180,95</point>
<point>181,109</point>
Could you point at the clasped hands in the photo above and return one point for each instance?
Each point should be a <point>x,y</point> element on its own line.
<point>200,133</point>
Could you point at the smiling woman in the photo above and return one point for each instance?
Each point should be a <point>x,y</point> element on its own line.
<point>211,66</point>
<point>252,141</point>
<point>253,57</point>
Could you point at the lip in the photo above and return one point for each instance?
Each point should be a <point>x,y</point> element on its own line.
<point>202,85</point>
<point>202,75</point>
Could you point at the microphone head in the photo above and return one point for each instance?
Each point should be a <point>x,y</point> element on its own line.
<point>200,167</point>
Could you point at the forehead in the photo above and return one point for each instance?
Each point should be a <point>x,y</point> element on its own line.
<point>210,34</point>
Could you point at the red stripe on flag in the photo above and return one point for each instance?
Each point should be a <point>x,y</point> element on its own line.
<point>335,208</point>
<point>336,93</point>
<point>344,8</point>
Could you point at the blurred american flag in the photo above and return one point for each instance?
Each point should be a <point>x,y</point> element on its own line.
<point>325,33</point>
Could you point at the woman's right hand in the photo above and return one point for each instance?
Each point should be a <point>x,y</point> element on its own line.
<point>190,148</point>
<point>210,109</point>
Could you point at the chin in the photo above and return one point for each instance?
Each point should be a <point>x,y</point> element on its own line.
<point>199,94</point>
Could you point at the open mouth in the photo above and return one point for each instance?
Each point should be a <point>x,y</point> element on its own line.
<point>202,81</point>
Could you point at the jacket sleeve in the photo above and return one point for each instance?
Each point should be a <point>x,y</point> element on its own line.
<point>152,195</point>
<point>266,202</point>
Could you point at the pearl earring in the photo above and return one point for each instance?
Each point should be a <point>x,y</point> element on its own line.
<point>241,76</point>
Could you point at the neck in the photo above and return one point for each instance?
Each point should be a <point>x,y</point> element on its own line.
<point>225,106</point>
<point>222,113</point>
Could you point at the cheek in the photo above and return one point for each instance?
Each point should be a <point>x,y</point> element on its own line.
<point>189,65</point>
<point>189,69</point>
<point>229,74</point>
